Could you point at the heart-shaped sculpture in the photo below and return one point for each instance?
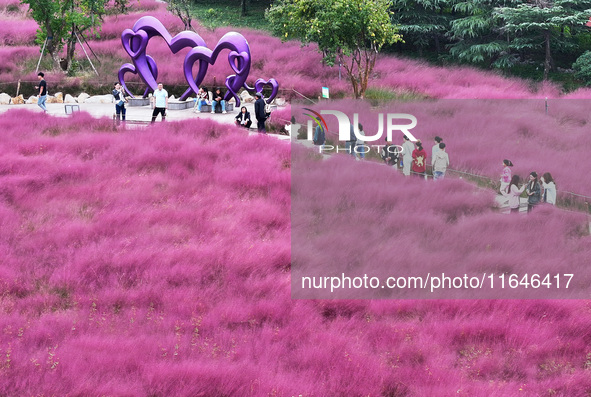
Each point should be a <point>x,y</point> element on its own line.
<point>239,59</point>
<point>136,40</point>
<point>128,67</point>
<point>260,83</point>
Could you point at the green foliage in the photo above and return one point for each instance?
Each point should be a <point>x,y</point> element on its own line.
<point>228,13</point>
<point>582,68</point>
<point>351,32</point>
<point>60,20</point>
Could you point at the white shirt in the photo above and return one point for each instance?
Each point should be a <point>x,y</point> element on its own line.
<point>161,96</point>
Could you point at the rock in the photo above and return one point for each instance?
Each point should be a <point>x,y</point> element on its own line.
<point>32,100</point>
<point>172,98</point>
<point>82,97</point>
<point>100,99</point>
<point>246,97</point>
<point>69,99</point>
<point>59,97</point>
<point>19,100</point>
<point>51,99</point>
<point>4,99</point>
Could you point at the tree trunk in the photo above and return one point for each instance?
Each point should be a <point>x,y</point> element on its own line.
<point>548,59</point>
<point>51,46</point>
<point>242,8</point>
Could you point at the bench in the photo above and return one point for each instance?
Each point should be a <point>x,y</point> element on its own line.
<point>207,108</point>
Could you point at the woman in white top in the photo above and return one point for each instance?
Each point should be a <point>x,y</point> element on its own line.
<point>549,195</point>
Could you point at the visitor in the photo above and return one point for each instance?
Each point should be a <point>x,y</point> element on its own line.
<point>407,148</point>
<point>513,191</point>
<point>202,99</point>
<point>533,191</point>
<point>360,147</point>
<point>243,118</point>
<point>218,98</point>
<point>319,138</point>
<point>160,101</point>
<point>549,186</point>
<point>42,87</point>
<point>260,113</point>
<point>390,154</point>
<point>119,102</point>
<point>419,163</point>
<point>440,162</point>
<point>505,177</point>
<point>435,148</point>
<point>350,144</point>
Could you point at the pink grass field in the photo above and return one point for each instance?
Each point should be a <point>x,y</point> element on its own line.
<point>157,262</point>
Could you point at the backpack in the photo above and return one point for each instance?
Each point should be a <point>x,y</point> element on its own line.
<point>319,136</point>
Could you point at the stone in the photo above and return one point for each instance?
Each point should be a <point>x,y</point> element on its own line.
<point>19,100</point>
<point>59,97</point>
<point>246,97</point>
<point>100,99</point>
<point>69,99</point>
<point>32,100</point>
<point>4,99</point>
<point>51,99</point>
<point>172,98</point>
<point>82,97</point>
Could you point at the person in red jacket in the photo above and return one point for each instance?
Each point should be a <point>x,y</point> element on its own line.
<point>419,160</point>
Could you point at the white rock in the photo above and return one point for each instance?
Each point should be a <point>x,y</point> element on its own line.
<point>69,99</point>
<point>172,98</point>
<point>246,97</point>
<point>83,97</point>
<point>59,97</point>
<point>32,100</point>
<point>4,99</point>
<point>100,99</point>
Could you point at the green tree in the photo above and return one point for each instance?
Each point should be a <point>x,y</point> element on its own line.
<point>351,32</point>
<point>534,25</point>
<point>60,20</point>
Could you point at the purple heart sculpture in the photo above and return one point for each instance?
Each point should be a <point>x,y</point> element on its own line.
<point>136,40</point>
<point>128,67</point>
<point>239,59</point>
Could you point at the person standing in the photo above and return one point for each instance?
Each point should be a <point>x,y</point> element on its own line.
<point>390,154</point>
<point>243,118</point>
<point>513,191</point>
<point>435,148</point>
<point>419,160</point>
<point>440,162</point>
<point>160,100</point>
<point>407,148</point>
<point>549,188</point>
<point>218,98</point>
<point>505,177</point>
<point>533,191</point>
<point>360,144</point>
<point>259,112</point>
<point>42,87</point>
<point>119,103</point>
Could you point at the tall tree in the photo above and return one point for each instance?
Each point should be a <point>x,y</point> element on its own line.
<point>61,20</point>
<point>351,32</point>
<point>538,22</point>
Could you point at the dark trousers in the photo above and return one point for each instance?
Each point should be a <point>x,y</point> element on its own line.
<point>162,111</point>
<point>120,111</point>
<point>261,125</point>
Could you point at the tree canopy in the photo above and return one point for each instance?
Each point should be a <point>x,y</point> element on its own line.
<point>350,32</point>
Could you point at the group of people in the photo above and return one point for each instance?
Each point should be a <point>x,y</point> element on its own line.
<point>414,157</point>
<point>542,190</point>
<point>160,103</point>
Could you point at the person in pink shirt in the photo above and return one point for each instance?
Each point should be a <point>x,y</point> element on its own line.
<point>506,177</point>
<point>513,191</point>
